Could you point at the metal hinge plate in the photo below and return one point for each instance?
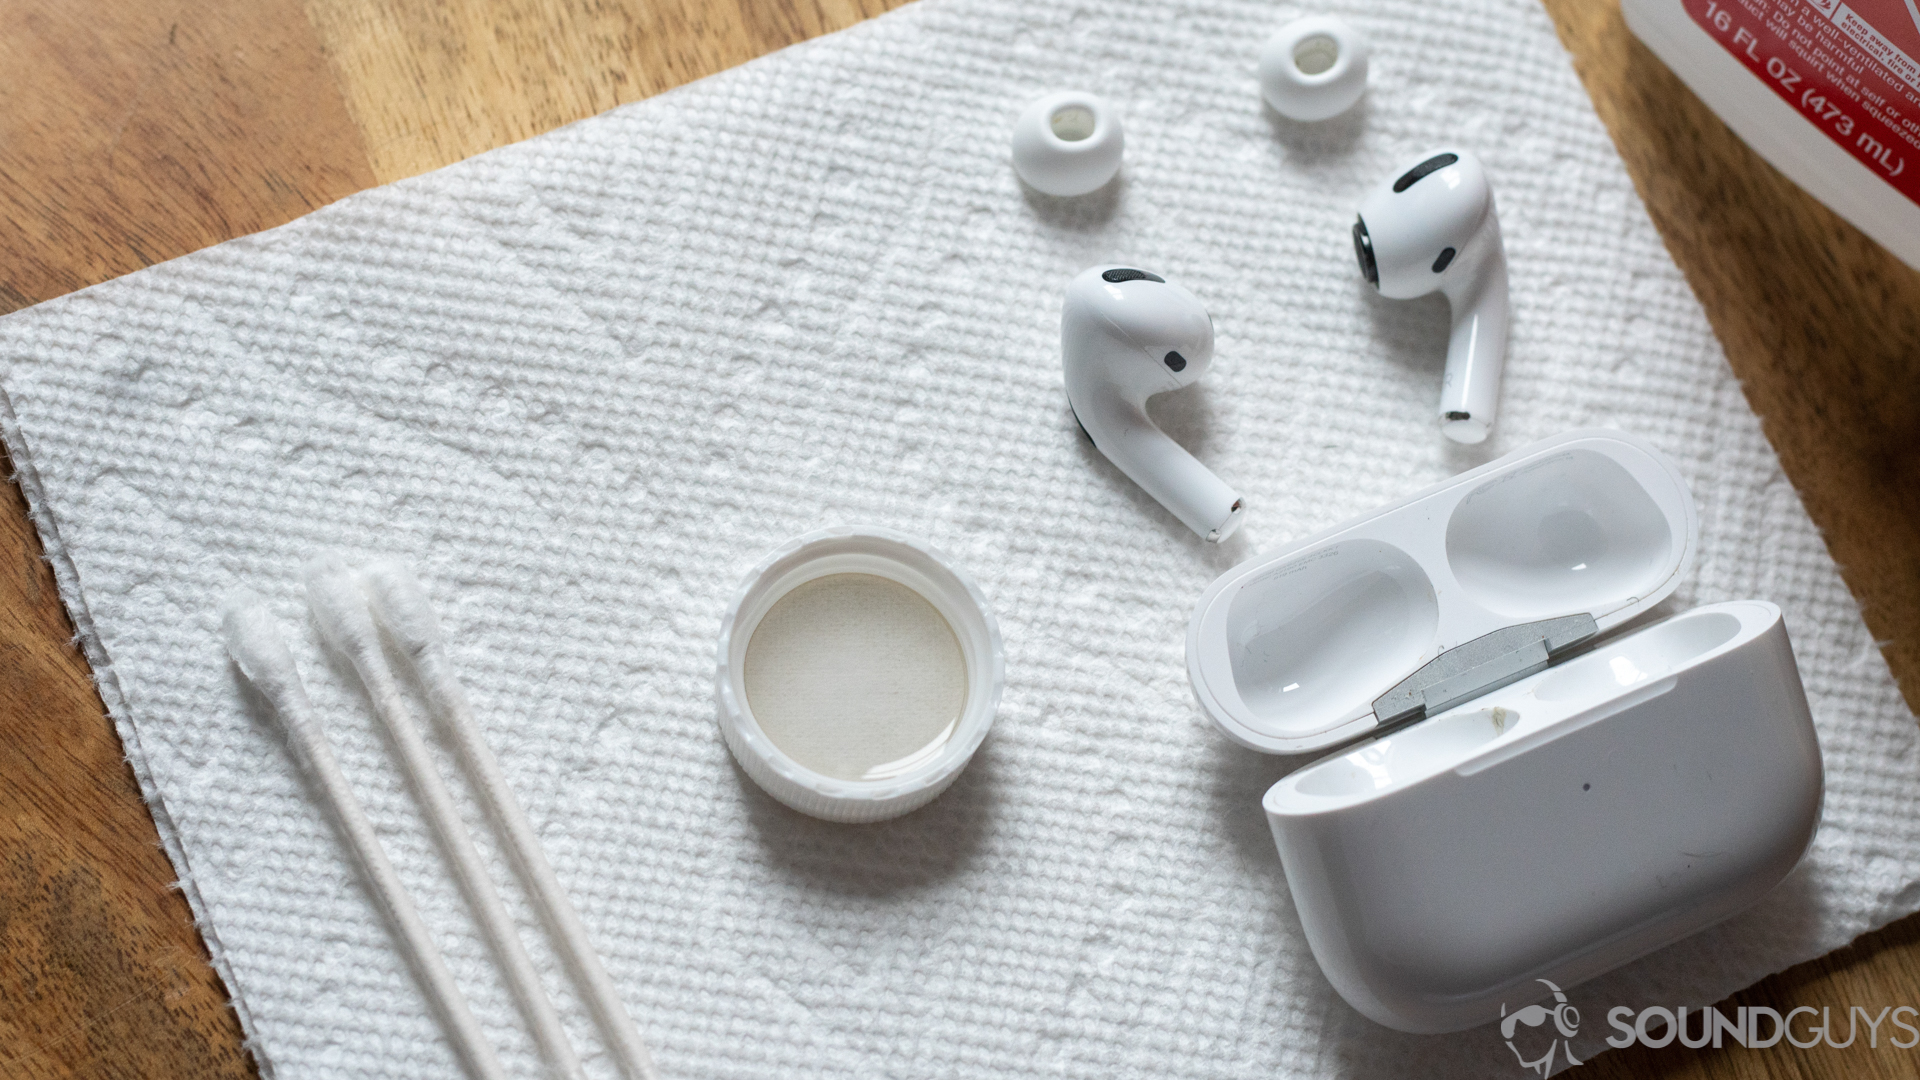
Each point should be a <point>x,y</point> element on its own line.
<point>1481,666</point>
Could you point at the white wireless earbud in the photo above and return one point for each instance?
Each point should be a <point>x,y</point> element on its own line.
<point>1126,335</point>
<point>1433,227</point>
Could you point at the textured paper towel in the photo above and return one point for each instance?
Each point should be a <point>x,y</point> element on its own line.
<point>585,381</point>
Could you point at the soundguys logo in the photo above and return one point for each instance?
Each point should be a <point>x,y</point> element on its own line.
<point>1550,1045</point>
<point>1565,1025</point>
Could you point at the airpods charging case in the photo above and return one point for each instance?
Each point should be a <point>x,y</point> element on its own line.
<point>1540,793</point>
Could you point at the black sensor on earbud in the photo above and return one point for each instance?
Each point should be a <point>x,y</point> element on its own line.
<point>1418,172</point>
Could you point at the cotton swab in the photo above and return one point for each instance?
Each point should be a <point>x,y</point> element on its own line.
<point>254,641</point>
<point>340,611</point>
<point>404,610</point>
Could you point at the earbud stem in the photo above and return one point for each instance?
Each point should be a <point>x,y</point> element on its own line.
<point>1476,353</point>
<point>1163,468</point>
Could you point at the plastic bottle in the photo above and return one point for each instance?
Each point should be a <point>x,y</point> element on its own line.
<point>1826,90</point>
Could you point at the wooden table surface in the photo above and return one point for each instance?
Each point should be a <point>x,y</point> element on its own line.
<point>132,131</point>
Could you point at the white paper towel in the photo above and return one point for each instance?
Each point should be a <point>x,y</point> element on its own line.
<point>585,381</point>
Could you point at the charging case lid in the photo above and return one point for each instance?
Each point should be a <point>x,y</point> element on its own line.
<point>1288,651</point>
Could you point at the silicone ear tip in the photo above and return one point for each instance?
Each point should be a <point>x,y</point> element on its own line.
<point>1314,68</point>
<point>1067,143</point>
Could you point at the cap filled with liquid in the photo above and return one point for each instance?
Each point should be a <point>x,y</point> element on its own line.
<point>859,670</point>
<point>855,676</point>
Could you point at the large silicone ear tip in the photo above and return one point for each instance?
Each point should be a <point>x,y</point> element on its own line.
<point>1314,68</point>
<point>1067,143</point>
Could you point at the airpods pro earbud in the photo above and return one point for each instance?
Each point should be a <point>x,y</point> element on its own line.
<point>1433,227</point>
<point>1126,335</point>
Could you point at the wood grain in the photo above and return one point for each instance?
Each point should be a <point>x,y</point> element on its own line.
<point>432,84</point>
<point>103,975</point>
<point>136,132</point>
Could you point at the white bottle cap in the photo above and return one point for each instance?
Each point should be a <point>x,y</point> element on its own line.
<point>858,671</point>
<point>1314,68</point>
<point>1067,143</point>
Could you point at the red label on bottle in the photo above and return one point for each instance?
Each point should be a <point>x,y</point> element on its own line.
<point>1851,68</point>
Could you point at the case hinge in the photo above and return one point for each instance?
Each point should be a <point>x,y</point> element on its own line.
<point>1480,666</point>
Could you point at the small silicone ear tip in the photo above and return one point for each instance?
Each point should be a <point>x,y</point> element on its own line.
<point>1067,143</point>
<point>1314,68</point>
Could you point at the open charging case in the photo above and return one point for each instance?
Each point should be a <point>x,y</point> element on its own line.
<point>1540,794</point>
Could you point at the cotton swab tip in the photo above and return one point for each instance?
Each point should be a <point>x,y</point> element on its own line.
<point>255,643</point>
<point>403,605</point>
<point>339,607</point>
